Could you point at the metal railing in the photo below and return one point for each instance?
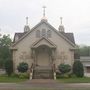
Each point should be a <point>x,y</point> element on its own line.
<point>54,71</point>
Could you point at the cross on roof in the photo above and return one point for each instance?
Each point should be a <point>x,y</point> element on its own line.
<point>44,11</point>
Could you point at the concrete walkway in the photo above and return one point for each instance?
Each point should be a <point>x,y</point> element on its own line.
<point>44,85</point>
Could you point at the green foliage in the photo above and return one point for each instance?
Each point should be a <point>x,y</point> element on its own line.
<point>20,75</point>
<point>5,41</point>
<point>15,75</point>
<point>82,51</point>
<point>9,67</point>
<point>58,76</point>
<point>64,68</point>
<point>75,80</point>
<point>23,67</point>
<point>24,76</point>
<point>5,53</point>
<point>77,53</point>
<point>11,79</point>
<point>78,69</point>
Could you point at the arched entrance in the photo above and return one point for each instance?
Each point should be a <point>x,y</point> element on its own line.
<point>43,56</point>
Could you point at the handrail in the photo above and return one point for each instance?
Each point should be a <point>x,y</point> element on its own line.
<point>53,68</point>
<point>31,67</point>
<point>31,71</point>
<point>54,71</point>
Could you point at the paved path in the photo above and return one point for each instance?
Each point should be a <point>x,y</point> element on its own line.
<point>45,84</point>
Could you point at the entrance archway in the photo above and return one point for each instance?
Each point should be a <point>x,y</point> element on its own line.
<point>43,56</point>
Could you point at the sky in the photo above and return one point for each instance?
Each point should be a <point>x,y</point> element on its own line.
<point>75,13</point>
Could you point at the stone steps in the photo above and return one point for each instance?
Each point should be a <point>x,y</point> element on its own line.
<point>42,73</point>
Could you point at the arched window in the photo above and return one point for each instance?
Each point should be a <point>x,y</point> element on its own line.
<point>49,34</point>
<point>38,33</point>
<point>43,32</point>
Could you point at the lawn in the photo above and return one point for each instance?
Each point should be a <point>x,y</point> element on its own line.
<point>6,79</point>
<point>74,80</point>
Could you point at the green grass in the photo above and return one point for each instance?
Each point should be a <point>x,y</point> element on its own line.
<point>74,80</point>
<point>6,79</point>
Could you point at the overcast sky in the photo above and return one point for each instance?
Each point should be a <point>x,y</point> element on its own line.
<point>75,13</point>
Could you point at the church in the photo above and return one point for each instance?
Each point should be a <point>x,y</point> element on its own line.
<point>43,48</point>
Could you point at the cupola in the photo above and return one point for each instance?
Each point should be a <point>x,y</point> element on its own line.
<point>26,27</point>
<point>61,26</point>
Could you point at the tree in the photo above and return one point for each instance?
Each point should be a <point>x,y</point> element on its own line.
<point>5,53</point>
<point>23,67</point>
<point>82,50</point>
<point>77,53</point>
<point>9,67</point>
<point>64,68</point>
<point>78,69</point>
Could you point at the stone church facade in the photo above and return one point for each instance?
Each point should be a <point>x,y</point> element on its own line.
<point>43,48</point>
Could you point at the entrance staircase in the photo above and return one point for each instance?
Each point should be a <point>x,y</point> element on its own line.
<point>42,72</point>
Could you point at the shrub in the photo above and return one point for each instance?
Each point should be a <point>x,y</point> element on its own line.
<point>23,67</point>
<point>15,75</point>
<point>58,75</point>
<point>9,67</point>
<point>71,75</point>
<point>64,68</point>
<point>78,69</point>
<point>24,76</point>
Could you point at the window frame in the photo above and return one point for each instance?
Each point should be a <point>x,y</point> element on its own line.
<point>38,34</point>
<point>49,33</point>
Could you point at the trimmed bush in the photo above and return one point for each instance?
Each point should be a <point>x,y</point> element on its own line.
<point>78,69</point>
<point>23,67</point>
<point>9,67</point>
<point>64,68</point>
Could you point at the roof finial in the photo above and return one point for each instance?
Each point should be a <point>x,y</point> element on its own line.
<point>44,18</point>
<point>61,27</point>
<point>26,27</point>
<point>44,11</point>
<point>26,20</point>
<point>61,19</point>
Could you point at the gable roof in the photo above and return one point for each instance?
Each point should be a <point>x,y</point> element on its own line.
<point>69,39</point>
<point>19,35</point>
<point>46,42</point>
<point>70,36</point>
